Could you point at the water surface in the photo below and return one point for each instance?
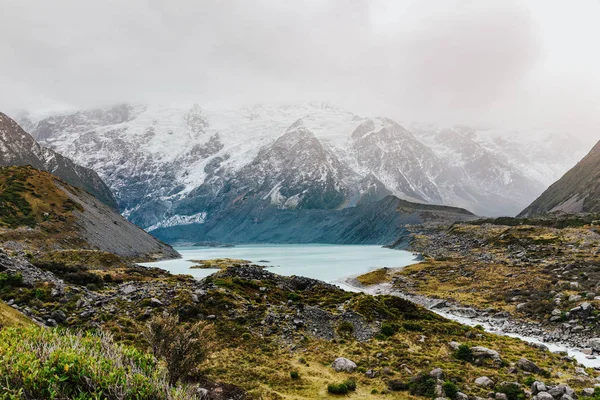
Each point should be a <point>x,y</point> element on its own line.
<point>329,263</point>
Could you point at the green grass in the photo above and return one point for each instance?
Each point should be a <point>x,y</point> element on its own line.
<point>56,364</point>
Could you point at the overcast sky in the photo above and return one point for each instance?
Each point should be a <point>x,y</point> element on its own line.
<point>501,63</point>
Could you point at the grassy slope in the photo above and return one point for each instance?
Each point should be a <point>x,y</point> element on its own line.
<point>11,317</point>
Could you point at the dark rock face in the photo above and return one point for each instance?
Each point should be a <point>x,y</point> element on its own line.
<point>17,147</point>
<point>577,191</point>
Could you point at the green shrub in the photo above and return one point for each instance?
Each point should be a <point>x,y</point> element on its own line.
<point>388,329</point>
<point>529,381</point>
<point>337,388</point>
<point>345,327</point>
<point>464,353</point>
<point>8,280</point>
<point>412,326</point>
<point>294,375</point>
<point>512,390</point>
<point>246,336</point>
<point>53,364</point>
<point>397,386</point>
<point>293,296</point>
<point>450,389</point>
<point>350,384</point>
<point>423,385</point>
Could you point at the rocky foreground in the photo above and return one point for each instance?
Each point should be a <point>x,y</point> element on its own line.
<point>538,279</point>
<point>275,337</point>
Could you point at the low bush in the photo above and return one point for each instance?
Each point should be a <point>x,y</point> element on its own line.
<point>423,385</point>
<point>388,329</point>
<point>397,386</point>
<point>294,375</point>
<point>337,388</point>
<point>512,390</point>
<point>464,353</point>
<point>350,384</point>
<point>450,389</point>
<point>40,363</point>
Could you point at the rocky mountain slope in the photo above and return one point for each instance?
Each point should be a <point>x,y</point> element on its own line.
<point>577,191</point>
<point>281,337</point>
<point>187,166</point>
<point>17,147</point>
<point>40,212</point>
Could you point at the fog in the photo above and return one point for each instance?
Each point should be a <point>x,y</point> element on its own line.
<point>494,63</point>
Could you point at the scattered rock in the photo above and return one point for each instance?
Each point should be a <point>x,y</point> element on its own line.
<point>342,364</point>
<point>528,366</point>
<point>485,382</point>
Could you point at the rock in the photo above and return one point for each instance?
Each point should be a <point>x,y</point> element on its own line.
<point>371,374</point>
<point>556,312</point>
<point>59,315</point>
<point>461,396</point>
<point>51,323</point>
<point>437,373</point>
<point>537,387</point>
<point>454,345</point>
<point>342,364</point>
<point>589,392</point>
<point>594,343</point>
<point>485,382</point>
<point>154,302</point>
<point>482,353</point>
<point>528,366</point>
<point>557,391</point>
<point>500,396</point>
<point>566,397</point>
<point>581,371</point>
<point>574,297</point>
<point>202,394</point>
<point>544,396</point>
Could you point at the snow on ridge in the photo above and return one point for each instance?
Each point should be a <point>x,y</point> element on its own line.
<point>174,220</point>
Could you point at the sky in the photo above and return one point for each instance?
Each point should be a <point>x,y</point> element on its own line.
<point>500,63</point>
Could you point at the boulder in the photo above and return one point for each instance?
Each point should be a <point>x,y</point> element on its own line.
<point>594,343</point>
<point>481,353</point>
<point>557,391</point>
<point>461,396</point>
<point>528,366</point>
<point>437,373</point>
<point>342,364</point>
<point>500,396</point>
<point>589,392</point>
<point>537,387</point>
<point>485,382</point>
<point>544,396</point>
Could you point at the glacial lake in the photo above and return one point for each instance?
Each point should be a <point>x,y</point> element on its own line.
<point>329,263</point>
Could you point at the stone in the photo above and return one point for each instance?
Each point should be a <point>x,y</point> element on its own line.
<point>594,343</point>
<point>485,382</point>
<point>437,373</point>
<point>371,374</point>
<point>589,392</point>
<point>537,387</point>
<point>544,396</point>
<point>581,371</point>
<point>342,364</point>
<point>59,315</point>
<point>528,366</point>
<point>500,396</point>
<point>557,391</point>
<point>461,396</point>
<point>454,345</point>
<point>154,302</point>
<point>480,353</point>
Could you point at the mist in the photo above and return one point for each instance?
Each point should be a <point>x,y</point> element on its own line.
<point>493,63</point>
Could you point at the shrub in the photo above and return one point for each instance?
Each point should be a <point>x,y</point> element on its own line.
<point>177,344</point>
<point>529,381</point>
<point>345,327</point>
<point>337,388</point>
<point>8,280</point>
<point>293,296</point>
<point>512,391</point>
<point>423,385</point>
<point>397,386</point>
<point>388,329</point>
<point>54,363</point>
<point>350,384</point>
<point>294,375</point>
<point>464,353</point>
<point>412,326</point>
<point>450,389</point>
<point>246,336</point>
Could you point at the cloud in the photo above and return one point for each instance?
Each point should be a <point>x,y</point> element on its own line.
<point>432,60</point>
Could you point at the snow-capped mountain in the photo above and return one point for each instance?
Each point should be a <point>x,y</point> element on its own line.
<point>18,147</point>
<point>175,166</point>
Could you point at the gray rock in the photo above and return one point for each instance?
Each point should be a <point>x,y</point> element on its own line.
<point>480,352</point>
<point>589,392</point>
<point>485,382</point>
<point>537,387</point>
<point>59,315</point>
<point>154,302</point>
<point>342,364</point>
<point>594,343</point>
<point>544,396</point>
<point>437,373</point>
<point>371,374</point>
<point>461,396</point>
<point>528,366</point>
<point>500,396</point>
<point>557,391</point>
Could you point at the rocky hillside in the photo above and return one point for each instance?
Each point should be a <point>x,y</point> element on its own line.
<point>280,337</point>
<point>535,277</point>
<point>17,147</point>
<point>188,166</point>
<point>577,191</point>
<point>38,211</point>
<point>377,222</point>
